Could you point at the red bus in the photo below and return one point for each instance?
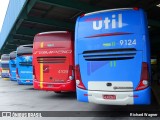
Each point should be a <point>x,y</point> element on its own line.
<point>53,61</point>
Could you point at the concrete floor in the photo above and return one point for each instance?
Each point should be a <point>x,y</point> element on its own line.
<point>14,97</point>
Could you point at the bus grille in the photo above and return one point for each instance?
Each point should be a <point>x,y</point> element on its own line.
<point>109,54</point>
<point>5,65</point>
<point>51,59</point>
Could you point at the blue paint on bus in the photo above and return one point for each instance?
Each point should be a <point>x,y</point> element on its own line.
<point>12,68</point>
<point>24,69</point>
<point>112,57</point>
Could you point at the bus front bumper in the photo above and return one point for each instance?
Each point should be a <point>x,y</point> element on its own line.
<point>13,78</point>
<point>5,75</point>
<point>57,87</point>
<point>141,97</point>
<point>25,82</point>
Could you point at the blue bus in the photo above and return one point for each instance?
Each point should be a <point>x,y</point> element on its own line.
<point>24,69</point>
<point>112,57</point>
<point>5,65</point>
<point>12,66</point>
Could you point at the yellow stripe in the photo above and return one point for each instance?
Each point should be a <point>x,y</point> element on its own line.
<point>41,45</point>
<point>41,69</point>
<point>41,75</point>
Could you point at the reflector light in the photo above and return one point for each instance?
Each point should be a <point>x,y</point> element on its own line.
<point>145,82</point>
<point>79,82</point>
<point>82,15</point>
<point>9,73</point>
<point>71,77</point>
<point>17,75</point>
<point>34,75</point>
<point>70,73</point>
<point>135,8</point>
<point>144,77</point>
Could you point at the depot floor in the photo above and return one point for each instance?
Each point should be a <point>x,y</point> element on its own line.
<point>14,97</point>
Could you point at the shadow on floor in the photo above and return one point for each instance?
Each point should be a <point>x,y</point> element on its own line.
<point>63,95</point>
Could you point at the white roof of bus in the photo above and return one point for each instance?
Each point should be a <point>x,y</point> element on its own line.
<point>52,32</point>
<point>101,11</point>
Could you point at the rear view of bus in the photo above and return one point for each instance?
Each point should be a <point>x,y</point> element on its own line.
<point>53,61</point>
<point>112,57</point>
<point>12,66</point>
<point>5,65</point>
<point>24,69</point>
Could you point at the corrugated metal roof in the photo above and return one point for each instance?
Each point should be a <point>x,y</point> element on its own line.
<point>14,9</point>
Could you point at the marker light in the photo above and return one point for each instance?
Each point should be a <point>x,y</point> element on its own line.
<point>82,15</point>
<point>135,8</point>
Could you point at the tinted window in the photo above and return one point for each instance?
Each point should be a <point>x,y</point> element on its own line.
<point>5,57</point>
<point>25,49</point>
<point>13,55</point>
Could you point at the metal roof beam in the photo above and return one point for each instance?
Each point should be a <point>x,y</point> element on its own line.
<point>27,31</point>
<point>31,4</point>
<point>29,36</point>
<point>84,7</point>
<point>25,12</point>
<point>11,44</point>
<point>22,40</point>
<point>7,51</point>
<point>72,4</point>
<point>49,22</point>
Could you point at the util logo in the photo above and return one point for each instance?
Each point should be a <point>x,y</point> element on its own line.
<point>115,21</point>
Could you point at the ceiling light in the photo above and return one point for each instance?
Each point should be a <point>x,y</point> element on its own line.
<point>158,5</point>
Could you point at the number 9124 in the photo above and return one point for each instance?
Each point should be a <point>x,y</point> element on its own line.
<point>128,42</point>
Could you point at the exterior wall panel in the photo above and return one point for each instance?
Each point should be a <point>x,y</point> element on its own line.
<point>13,11</point>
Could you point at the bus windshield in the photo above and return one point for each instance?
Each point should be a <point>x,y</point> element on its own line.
<point>12,55</point>
<point>5,57</point>
<point>24,49</point>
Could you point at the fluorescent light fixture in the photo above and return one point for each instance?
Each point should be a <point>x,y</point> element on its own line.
<point>158,5</point>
